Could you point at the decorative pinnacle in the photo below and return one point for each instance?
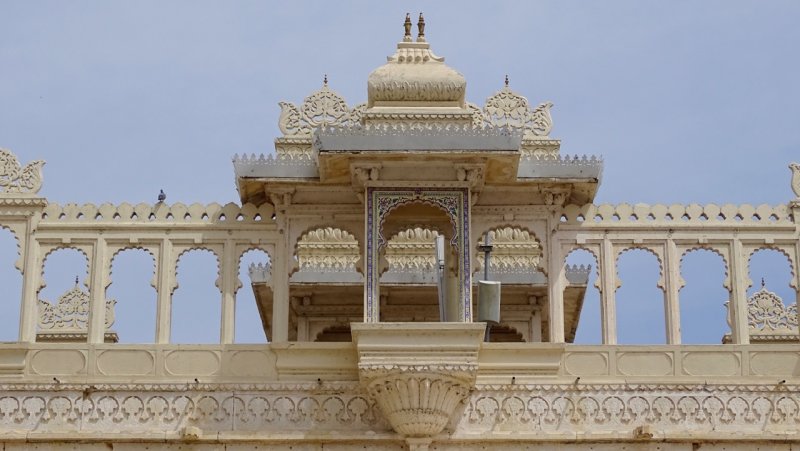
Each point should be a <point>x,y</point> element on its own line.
<point>407,26</point>
<point>763,283</point>
<point>76,281</point>
<point>325,80</point>
<point>506,80</point>
<point>421,28</point>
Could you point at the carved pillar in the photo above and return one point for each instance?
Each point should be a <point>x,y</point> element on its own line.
<point>98,281</point>
<point>555,287</point>
<point>165,281</point>
<point>32,276</point>
<point>230,278</point>
<point>608,289</point>
<point>280,285</point>
<point>738,303</point>
<point>673,284</point>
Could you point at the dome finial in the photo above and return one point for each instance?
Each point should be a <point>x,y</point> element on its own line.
<point>325,80</point>
<point>407,27</point>
<point>506,80</point>
<point>763,283</point>
<point>421,28</point>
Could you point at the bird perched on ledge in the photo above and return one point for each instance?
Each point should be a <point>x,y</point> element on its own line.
<point>17,179</point>
<point>161,196</point>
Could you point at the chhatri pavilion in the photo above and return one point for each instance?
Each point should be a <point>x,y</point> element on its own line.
<point>417,296</point>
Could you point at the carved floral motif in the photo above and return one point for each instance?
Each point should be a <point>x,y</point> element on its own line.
<point>412,250</point>
<point>509,109</point>
<point>14,178</point>
<point>322,108</point>
<point>514,250</point>
<point>71,312</point>
<point>766,313</point>
<point>327,249</point>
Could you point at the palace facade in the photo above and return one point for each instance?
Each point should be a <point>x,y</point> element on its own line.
<point>382,221</point>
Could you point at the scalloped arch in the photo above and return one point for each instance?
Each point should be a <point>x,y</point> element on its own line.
<point>778,249</point>
<point>110,265</point>
<point>627,248</point>
<point>53,250</point>
<point>18,263</point>
<point>255,248</point>
<point>421,200</point>
<point>726,282</point>
<point>202,248</point>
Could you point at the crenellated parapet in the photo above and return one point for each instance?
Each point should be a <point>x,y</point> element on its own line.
<point>677,215</point>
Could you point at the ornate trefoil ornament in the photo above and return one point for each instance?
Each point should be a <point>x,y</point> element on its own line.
<point>14,178</point>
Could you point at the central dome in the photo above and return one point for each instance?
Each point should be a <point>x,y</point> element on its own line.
<point>415,77</point>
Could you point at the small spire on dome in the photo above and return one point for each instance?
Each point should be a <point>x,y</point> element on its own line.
<point>421,28</point>
<point>763,283</point>
<point>325,80</point>
<point>407,27</point>
<point>506,80</point>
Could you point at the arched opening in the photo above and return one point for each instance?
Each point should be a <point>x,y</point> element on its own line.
<point>65,277</point>
<point>196,303</point>
<point>249,321</point>
<point>772,268</point>
<point>703,298</point>
<point>11,281</point>
<point>132,272</point>
<point>640,302</point>
<point>406,264</point>
<point>581,272</point>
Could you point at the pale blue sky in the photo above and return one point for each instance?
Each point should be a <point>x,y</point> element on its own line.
<point>688,101</point>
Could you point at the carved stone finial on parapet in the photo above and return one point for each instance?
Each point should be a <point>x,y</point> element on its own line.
<point>16,179</point>
<point>421,29</point>
<point>795,167</point>
<point>407,26</point>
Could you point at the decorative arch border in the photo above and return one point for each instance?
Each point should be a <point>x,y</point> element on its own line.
<point>786,251</point>
<point>48,250</point>
<point>591,249</point>
<point>383,200</point>
<point>241,251</point>
<point>722,253</point>
<point>656,251</point>
<point>214,250</point>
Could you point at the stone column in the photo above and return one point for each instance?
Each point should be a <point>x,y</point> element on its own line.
<point>608,289</point>
<point>32,276</point>
<point>280,284</point>
<point>672,286</point>
<point>98,280</point>
<point>229,269</point>
<point>555,286</point>
<point>165,281</point>
<point>738,303</point>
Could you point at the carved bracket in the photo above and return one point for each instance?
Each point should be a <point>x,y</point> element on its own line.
<point>419,374</point>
